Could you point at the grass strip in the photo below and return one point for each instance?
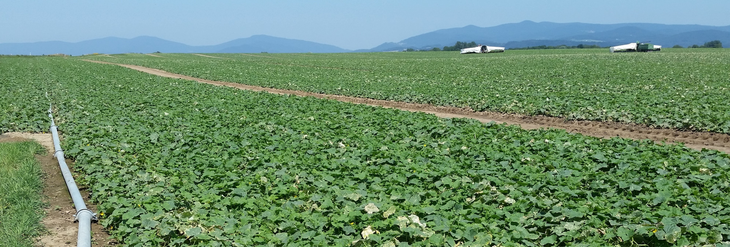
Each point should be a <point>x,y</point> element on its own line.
<point>20,200</point>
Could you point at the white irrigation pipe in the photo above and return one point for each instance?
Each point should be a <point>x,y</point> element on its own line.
<point>83,215</point>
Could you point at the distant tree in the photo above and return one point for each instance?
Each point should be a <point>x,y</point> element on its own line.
<point>460,45</point>
<point>677,46</point>
<point>695,46</point>
<point>410,49</point>
<point>712,44</point>
<point>436,49</point>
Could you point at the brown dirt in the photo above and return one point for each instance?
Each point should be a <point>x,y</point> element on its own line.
<point>695,140</point>
<point>208,56</point>
<point>252,55</point>
<point>58,220</point>
<point>152,55</point>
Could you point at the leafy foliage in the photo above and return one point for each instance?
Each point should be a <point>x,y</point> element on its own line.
<point>712,44</point>
<point>22,95</point>
<point>174,162</point>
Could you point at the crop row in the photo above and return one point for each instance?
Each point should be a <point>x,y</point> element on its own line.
<point>670,89</point>
<point>174,162</point>
<point>22,94</point>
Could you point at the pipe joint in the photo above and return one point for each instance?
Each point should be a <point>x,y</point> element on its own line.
<point>85,211</point>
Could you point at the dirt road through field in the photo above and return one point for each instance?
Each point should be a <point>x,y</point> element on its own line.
<point>695,140</point>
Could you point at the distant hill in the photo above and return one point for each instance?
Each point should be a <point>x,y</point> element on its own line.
<point>698,37</point>
<point>110,45</point>
<point>528,33</point>
<point>264,43</point>
<point>511,35</point>
<point>147,44</point>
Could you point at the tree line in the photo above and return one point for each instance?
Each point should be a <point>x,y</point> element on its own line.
<point>710,44</point>
<point>459,45</point>
<point>456,47</point>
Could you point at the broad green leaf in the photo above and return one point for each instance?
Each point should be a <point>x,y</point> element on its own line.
<point>192,232</point>
<point>552,239</point>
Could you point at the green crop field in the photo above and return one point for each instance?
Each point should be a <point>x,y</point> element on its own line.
<point>675,88</point>
<point>172,162</point>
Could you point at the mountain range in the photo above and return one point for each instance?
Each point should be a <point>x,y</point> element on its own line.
<point>512,35</point>
<point>148,44</point>
<point>528,33</point>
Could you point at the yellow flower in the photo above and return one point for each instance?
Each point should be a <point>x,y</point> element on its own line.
<point>655,230</point>
<point>352,223</point>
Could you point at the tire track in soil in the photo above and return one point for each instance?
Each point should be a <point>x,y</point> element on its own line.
<point>694,140</point>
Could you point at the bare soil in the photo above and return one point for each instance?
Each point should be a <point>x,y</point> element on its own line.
<point>253,55</point>
<point>61,230</point>
<point>208,56</point>
<point>695,140</point>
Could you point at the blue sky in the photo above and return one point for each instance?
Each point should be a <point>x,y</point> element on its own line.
<point>347,24</point>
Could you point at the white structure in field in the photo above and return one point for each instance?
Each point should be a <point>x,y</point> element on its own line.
<point>638,46</point>
<point>626,47</point>
<point>482,49</point>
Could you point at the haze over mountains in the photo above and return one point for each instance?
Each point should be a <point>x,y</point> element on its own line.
<point>148,44</point>
<point>528,33</point>
<point>513,35</point>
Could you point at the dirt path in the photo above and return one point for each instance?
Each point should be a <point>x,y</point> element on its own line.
<point>202,55</point>
<point>252,55</point>
<point>695,140</point>
<point>152,55</point>
<point>59,221</point>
